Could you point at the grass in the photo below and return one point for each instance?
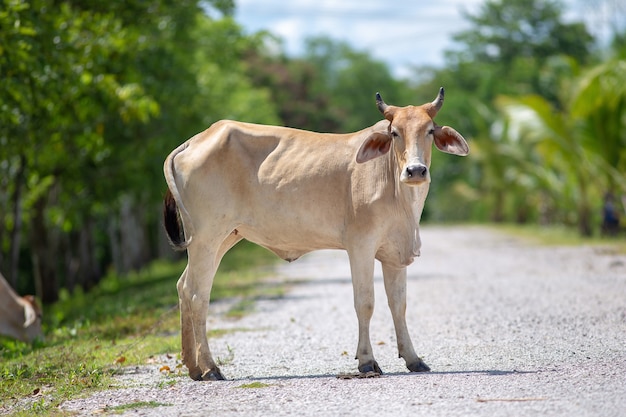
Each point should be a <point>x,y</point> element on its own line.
<point>139,404</point>
<point>124,321</point>
<point>558,235</point>
<point>254,385</point>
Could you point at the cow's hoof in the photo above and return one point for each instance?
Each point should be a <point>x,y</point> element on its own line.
<point>370,368</point>
<point>418,366</point>
<point>213,375</point>
<point>196,374</point>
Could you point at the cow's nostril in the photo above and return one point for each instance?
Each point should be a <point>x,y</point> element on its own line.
<point>418,171</point>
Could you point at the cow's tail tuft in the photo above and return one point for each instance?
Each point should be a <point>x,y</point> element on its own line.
<point>172,223</point>
<point>176,219</point>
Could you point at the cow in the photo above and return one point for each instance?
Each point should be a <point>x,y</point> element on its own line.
<point>292,192</point>
<point>20,317</point>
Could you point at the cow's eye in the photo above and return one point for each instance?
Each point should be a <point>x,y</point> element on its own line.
<point>431,132</point>
<point>394,133</point>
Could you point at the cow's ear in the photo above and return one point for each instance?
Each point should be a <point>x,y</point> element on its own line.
<point>449,140</point>
<point>375,145</point>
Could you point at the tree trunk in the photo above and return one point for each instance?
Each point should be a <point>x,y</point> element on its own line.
<point>133,240</point>
<point>16,233</point>
<point>584,220</point>
<point>584,209</point>
<point>4,207</point>
<point>42,252</point>
<point>497,215</point>
<point>114,240</point>
<point>522,211</point>
<point>89,269</point>
<point>71,262</point>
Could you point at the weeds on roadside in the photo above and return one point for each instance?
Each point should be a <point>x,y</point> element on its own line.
<point>132,406</point>
<point>558,235</point>
<point>124,321</point>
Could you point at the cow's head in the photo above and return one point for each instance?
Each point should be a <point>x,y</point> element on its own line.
<point>412,132</point>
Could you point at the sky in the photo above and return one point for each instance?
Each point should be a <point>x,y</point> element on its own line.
<point>402,33</point>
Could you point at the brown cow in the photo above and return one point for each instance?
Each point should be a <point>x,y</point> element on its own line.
<point>293,192</point>
<point>20,317</point>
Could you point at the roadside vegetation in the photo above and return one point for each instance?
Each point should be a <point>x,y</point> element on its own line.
<point>124,321</point>
<point>93,98</point>
<point>558,235</point>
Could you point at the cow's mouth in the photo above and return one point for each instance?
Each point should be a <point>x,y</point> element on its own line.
<point>414,182</point>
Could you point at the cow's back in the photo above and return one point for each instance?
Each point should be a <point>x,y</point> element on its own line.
<point>292,191</point>
<point>283,188</point>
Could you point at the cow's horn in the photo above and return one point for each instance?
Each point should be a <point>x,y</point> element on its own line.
<point>438,102</point>
<point>382,106</point>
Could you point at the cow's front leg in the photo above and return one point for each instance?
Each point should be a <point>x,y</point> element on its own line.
<point>194,289</point>
<point>395,287</point>
<point>362,267</point>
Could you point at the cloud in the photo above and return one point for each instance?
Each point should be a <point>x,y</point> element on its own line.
<point>402,33</point>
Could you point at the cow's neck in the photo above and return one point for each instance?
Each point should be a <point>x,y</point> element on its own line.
<point>411,198</point>
<point>13,314</point>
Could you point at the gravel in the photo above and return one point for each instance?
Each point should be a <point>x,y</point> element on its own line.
<point>508,328</point>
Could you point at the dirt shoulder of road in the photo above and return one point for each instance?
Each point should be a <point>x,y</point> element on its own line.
<point>507,327</point>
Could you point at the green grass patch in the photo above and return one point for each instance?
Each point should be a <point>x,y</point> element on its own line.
<point>241,308</point>
<point>123,321</point>
<point>133,406</point>
<point>559,235</point>
<point>254,385</point>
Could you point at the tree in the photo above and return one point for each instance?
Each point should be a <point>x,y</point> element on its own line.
<point>512,41</point>
<point>600,99</point>
<point>331,88</point>
<point>56,83</point>
<point>578,146</point>
<point>350,79</point>
<point>506,33</point>
<point>94,95</point>
<point>513,48</point>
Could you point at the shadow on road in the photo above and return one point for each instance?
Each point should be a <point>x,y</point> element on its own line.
<point>490,372</point>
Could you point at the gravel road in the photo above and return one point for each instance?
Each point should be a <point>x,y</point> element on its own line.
<point>508,328</point>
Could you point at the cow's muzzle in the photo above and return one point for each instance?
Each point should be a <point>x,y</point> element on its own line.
<point>415,173</point>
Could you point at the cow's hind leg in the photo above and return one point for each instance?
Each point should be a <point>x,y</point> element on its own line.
<point>362,268</point>
<point>188,339</point>
<point>194,289</point>
<point>395,287</point>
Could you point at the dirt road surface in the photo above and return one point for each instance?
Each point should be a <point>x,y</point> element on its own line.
<point>508,328</point>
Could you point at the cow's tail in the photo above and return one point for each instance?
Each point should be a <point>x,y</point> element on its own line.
<point>176,219</point>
